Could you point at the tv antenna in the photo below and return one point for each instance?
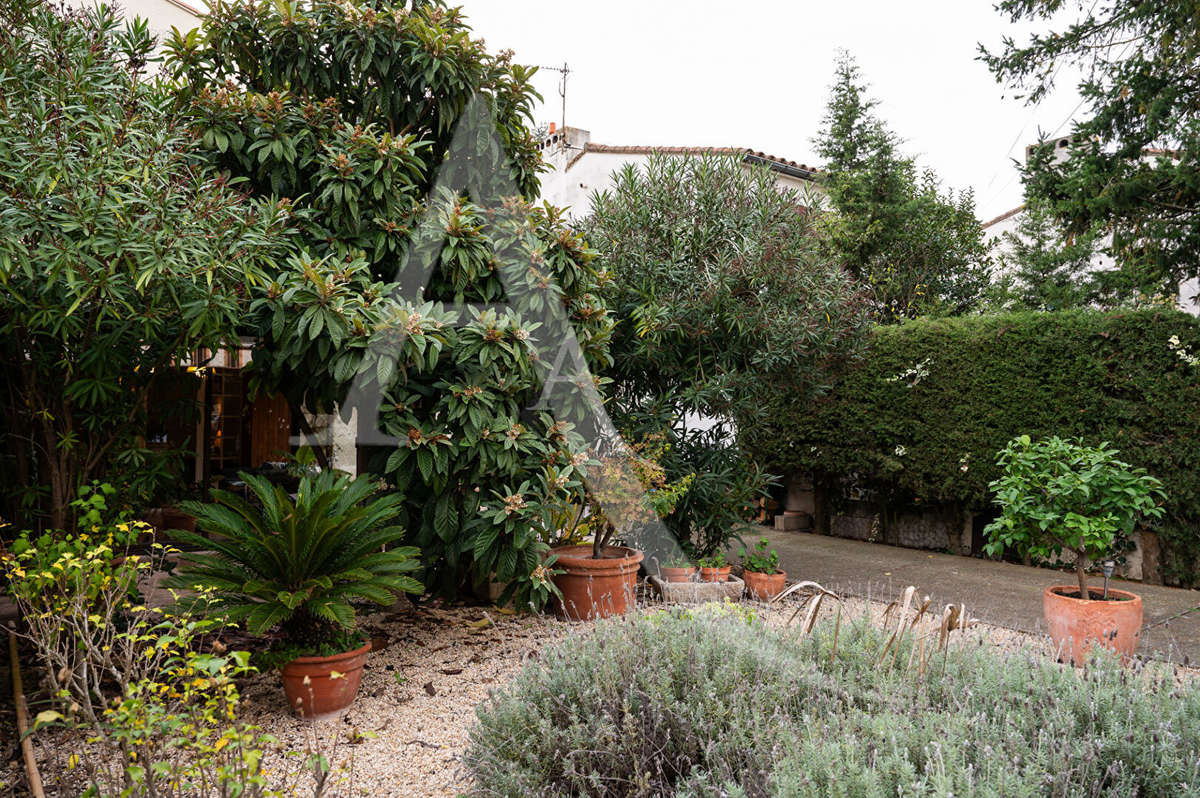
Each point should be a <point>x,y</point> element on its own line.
<point>563,70</point>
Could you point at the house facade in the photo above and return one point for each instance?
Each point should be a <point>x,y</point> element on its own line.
<point>578,166</point>
<point>1003,228</point>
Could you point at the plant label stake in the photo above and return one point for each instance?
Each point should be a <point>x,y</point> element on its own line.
<point>1108,566</point>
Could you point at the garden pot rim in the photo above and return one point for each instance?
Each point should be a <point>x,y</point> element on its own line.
<point>318,660</point>
<point>1057,592</point>
<point>778,572</point>
<point>620,555</point>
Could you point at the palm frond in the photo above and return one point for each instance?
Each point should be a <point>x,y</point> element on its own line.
<point>275,557</point>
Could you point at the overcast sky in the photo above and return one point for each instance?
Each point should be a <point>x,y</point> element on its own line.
<point>756,73</point>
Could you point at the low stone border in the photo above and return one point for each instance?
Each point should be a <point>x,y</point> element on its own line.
<point>697,592</point>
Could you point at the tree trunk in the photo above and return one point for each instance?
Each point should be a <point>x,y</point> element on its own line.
<point>1082,574</point>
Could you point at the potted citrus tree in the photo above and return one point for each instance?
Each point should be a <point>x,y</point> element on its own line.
<point>297,565</point>
<point>760,570</point>
<point>1061,497</point>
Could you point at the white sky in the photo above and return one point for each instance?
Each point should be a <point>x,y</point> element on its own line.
<point>756,74</point>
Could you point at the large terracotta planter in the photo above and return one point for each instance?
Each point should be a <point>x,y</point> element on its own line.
<point>677,574</point>
<point>764,587</point>
<point>715,574</point>
<point>1076,625</point>
<point>594,588</point>
<point>322,693</point>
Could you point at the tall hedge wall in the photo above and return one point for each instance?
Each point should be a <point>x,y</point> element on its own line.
<point>920,418</point>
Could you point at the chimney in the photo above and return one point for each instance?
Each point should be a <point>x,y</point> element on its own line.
<point>552,126</point>
<point>1061,149</point>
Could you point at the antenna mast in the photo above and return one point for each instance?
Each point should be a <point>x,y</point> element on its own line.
<point>563,70</point>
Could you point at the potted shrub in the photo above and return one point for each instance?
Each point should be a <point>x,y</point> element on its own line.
<point>1059,496</point>
<point>677,569</point>
<point>297,565</point>
<point>764,579</point>
<point>714,568</point>
<point>627,490</point>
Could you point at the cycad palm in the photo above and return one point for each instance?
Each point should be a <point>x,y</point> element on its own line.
<point>298,564</point>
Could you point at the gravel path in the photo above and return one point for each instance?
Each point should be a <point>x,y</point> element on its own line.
<point>407,730</point>
<point>417,702</point>
<point>406,733</point>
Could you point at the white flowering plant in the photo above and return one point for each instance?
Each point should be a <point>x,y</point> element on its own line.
<point>1182,352</point>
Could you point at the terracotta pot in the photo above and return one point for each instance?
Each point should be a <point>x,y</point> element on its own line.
<point>1076,624</point>
<point>764,587</point>
<point>677,574</point>
<point>715,574</point>
<point>594,588</point>
<point>323,694</point>
<point>164,519</point>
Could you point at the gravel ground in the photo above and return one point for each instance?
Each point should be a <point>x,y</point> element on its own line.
<point>406,733</point>
<point>410,721</point>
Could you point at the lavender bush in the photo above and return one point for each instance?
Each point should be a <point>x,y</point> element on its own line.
<point>702,704</point>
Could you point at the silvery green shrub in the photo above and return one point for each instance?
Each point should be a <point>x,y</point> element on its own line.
<point>717,704</point>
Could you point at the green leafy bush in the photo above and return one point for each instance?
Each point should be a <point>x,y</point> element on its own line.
<point>78,593</point>
<point>120,254</point>
<point>1056,494</point>
<point>919,419</point>
<point>762,560</point>
<point>705,703</point>
<point>357,114</point>
<point>172,732</point>
<point>722,296</point>
<point>298,564</point>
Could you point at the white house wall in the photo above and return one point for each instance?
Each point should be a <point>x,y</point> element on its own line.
<point>593,171</point>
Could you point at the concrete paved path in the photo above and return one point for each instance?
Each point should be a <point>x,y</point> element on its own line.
<point>998,593</point>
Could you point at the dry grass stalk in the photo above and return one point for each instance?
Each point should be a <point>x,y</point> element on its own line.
<point>900,617</point>
<point>816,595</point>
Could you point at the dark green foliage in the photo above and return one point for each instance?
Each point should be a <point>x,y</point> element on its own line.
<point>710,704</point>
<point>352,112</point>
<point>719,285</point>
<point>120,255</point>
<point>1133,168</point>
<point>298,564</point>
<point>723,494</point>
<point>916,249</point>
<point>381,85</point>
<point>922,417</point>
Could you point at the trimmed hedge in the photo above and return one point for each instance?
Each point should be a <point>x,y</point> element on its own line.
<point>920,418</point>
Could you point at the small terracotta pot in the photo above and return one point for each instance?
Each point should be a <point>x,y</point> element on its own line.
<point>764,587</point>
<point>323,694</point>
<point>594,588</point>
<point>715,574</point>
<point>1076,624</point>
<point>677,574</point>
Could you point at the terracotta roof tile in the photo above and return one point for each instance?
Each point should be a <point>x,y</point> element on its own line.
<point>622,149</point>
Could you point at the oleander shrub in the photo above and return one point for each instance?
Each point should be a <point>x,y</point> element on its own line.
<point>920,418</point>
<point>703,703</point>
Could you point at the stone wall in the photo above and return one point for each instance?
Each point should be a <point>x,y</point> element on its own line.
<point>941,528</point>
